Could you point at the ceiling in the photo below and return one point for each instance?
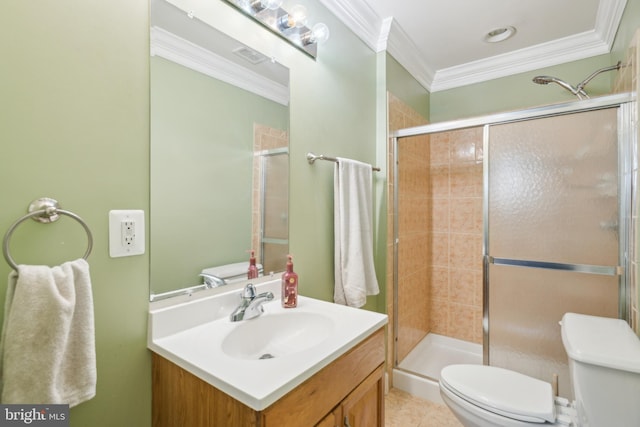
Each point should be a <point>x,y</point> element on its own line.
<point>441,43</point>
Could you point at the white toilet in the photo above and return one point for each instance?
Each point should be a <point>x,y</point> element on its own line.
<point>604,369</point>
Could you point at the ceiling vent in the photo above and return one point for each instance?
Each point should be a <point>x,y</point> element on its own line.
<point>250,55</point>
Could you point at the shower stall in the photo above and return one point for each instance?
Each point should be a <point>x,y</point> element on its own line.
<point>271,208</point>
<point>502,224</point>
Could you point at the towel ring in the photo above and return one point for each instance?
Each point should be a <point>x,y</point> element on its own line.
<point>44,210</point>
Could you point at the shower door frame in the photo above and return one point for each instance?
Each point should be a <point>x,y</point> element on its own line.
<point>265,156</point>
<point>627,163</point>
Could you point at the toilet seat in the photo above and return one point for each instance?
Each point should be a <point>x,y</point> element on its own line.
<point>503,392</point>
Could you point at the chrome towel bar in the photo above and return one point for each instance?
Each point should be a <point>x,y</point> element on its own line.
<point>44,210</point>
<point>311,157</point>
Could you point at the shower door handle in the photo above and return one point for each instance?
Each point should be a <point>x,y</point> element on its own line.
<point>604,270</point>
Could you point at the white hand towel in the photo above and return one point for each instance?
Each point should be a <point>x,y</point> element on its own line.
<point>355,275</point>
<point>48,340</point>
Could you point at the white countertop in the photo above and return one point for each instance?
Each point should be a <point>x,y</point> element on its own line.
<point>190,334</point>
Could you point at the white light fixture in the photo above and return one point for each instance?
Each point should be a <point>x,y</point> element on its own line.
<point>290,25</point>
<point>499,34</point>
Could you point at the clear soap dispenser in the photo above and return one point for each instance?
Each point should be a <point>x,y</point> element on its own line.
<point>289,286</point>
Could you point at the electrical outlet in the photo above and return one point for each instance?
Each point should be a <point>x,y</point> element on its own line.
<point>126,233</point>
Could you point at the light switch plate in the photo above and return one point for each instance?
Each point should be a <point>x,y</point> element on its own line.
<point>126,233</point>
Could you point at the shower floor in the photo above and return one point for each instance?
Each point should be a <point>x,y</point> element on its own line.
<point>419,372</point>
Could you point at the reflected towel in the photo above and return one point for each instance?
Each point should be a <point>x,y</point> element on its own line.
<point>48,342</point>
<point>355,275</point>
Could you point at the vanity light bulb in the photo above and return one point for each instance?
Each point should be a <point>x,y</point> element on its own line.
<point>298,14</point>
<point>271,4</point>
<point>320,33</point>
<point>317,35</point>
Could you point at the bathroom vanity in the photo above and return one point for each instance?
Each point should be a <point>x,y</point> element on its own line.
<point>320,364</point>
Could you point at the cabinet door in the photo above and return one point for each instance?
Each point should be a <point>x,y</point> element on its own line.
<point>364,407</point>
<point>331,420</point>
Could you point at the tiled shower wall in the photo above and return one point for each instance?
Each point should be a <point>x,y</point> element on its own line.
<point>455,268</point>
<point>413,304</point>
<point>440,232</point>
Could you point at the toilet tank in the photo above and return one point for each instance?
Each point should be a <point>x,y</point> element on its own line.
<point>604,368</point>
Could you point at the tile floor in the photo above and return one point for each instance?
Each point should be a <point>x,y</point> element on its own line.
<point>405,410</point>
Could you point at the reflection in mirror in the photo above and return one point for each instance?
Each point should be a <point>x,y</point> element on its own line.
<point>219,154</point>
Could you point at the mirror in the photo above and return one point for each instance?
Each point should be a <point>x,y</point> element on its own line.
<point>219,153</point>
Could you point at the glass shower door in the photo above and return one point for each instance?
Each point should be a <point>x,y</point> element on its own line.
<point>553,235</point>
<point>274,236</point>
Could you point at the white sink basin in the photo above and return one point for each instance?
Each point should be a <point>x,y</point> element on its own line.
<point>281,334</point>
<point>197,335</point>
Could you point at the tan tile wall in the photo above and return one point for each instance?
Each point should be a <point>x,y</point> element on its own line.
<point>264,138</point>
<point>455,267</point>
<point>414,296</point>
<point>414,251</point>
<point>440,233</point>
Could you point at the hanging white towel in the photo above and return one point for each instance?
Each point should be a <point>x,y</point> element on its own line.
<point>355,275</point>
<point>48,340</point>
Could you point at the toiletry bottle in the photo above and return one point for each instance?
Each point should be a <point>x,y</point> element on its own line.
<point>289,286</point>
<point>253,270</point>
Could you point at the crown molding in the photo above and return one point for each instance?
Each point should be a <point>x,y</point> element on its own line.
<point>361,19</point>
<point>540,56</point>
<point>572,48</point>
<point>608,19</point>
<point>403,49</point>
<point>381,34</point>
<point>176,49</point>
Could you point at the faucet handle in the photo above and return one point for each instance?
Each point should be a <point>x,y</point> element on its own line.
<point>212,281</point>
<point>249,292</point>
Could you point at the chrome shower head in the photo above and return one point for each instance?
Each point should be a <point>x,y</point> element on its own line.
<point>579,89</point>
<point>545,80</point>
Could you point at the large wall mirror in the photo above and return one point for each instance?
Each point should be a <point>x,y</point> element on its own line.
<point>219,153</point>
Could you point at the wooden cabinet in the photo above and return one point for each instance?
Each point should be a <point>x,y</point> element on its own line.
<point>362,407</point>
<point>351,388</point>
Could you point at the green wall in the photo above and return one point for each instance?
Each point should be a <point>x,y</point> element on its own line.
<point>518,91</point>
<point>74,125</point>
<point>628,27</point>
<point>201,171</point>
<point>333,112</point>
<point>404,86</point>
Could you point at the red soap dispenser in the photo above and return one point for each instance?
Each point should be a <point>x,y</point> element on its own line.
<point>289,286</point>
<point>252,273</point>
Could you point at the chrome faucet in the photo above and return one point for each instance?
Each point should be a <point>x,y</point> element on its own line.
<point>251,304</point>
<point>212,281</point>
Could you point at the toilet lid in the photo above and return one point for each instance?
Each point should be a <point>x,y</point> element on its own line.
<point>501,391</point>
